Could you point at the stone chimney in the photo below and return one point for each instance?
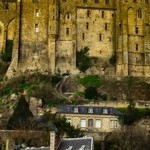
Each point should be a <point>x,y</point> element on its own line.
<point>52,140</point>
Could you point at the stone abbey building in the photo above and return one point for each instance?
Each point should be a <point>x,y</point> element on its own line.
<point>47,33</point>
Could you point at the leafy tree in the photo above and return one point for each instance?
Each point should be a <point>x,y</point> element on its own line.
<point>90,81</point>
<point>20,119</point>
<point>83,60</point>
<point>132,114</point>
<point>65,127</point>
<point>91,93</point>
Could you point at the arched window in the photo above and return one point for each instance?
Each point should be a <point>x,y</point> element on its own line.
<point>68,16</point>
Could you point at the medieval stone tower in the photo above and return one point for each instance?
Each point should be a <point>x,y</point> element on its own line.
<point>47,33</point>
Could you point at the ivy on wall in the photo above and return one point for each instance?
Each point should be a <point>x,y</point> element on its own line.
<point>7,54</point>
<point>83,60</point>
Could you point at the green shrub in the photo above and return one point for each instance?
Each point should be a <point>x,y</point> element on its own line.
<point>134,114</point>
<point>83,61</point>
<point>90,81</point>
<point>112,60</point>
<point>91,93</point>
<point>64,126</point>
<point>55,79</point>
<point>80,94</point>
<point>104,97</point>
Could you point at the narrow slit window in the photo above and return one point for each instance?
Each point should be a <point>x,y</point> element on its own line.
<point>136,47</point>
<point>100,37</point>
<point>88,13</point>
<point>87,25</point>
<point>68,16</point>
<point>102,14</point>
<point>136,30</point>
<point>36,28</point>
<point>106,26</point>
<point>37,12</point>
<point>83,36</point>
<point>67,31</point>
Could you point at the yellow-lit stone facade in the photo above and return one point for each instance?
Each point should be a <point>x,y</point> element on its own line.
<point>47,33</point>
<point>92,119</point>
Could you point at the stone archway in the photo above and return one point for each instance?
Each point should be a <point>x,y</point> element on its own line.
<point>1,36</point>
<point>11,30</point>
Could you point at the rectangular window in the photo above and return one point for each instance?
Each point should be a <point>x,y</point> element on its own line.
<point>88,13</point>
<point>136,30</point>
<point>102,14</point>
<point>84,1</point>
<point>116,123</point>
<point>87,25</point>
<point>83,36</point>
<point>96,1</point>
<point>136,47</point>
<point>97,123</point>
<point>37,12</point>
<point>67,31</point>
<point>36,28</point>
<point>111,124</point>
<point>90,123</point>
<point>35,1</point>
<point>106,26</point>
<point>83,123</point>
<point>100,37</point>
<point>107,2</point>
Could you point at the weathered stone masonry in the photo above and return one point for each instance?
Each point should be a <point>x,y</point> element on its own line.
<point>47,33</point>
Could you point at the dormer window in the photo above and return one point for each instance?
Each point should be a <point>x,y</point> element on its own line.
<point>76,110</point>
<point>90,110</point>
<point>105,110</point>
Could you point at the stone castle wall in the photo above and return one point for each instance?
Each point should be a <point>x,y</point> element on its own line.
<point>47,34</point>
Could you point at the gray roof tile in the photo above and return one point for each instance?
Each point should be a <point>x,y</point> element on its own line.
<point>97,110</point>
<point>76,143</point>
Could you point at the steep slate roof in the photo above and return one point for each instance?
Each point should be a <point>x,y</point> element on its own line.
<point>44,148</point>
<point>76,144</point>
<point>84,110</point>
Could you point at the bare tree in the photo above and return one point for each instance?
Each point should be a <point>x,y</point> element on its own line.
<point>128,138</point>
